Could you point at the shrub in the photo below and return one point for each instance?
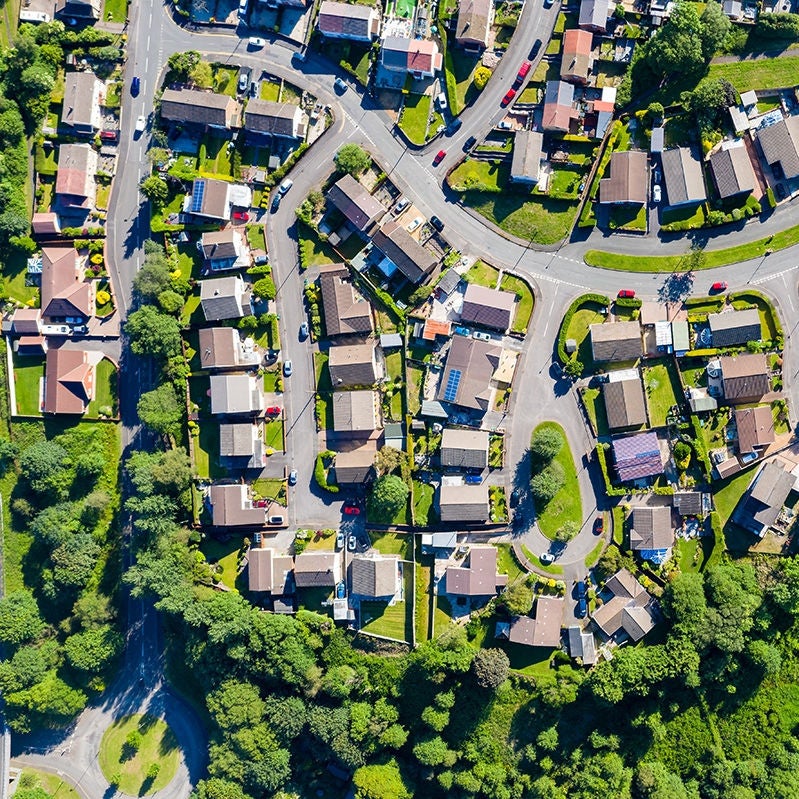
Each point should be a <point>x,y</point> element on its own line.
<point>628,302</point>
<point>320,472</point>
<point>584,299</point>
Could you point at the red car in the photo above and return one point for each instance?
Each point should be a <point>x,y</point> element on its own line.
<point>440,156</point>
<point>720,286</point>
<point>241,216</point>
<point>351,510</point>
<point>509,95</point>
<point>525,68</point>
<point>273,411</point>
<point>626,294</point>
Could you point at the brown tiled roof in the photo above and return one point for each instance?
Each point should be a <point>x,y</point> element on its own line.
<point>259,569</point>
<point>353,200</point>
<point>414,55</point>
<point>64,291</point>
<point>631,608</point>
<point>219,347</point>
<point>479,578</point>
<point>576,59</point>
<point>352,365</point>
<point>355,466</point>
<point>199,107</point>
<point>402,249</point>
<point>46,223</point>
<point>755,428</point>
<point>616,341</point>
<point>464,503</point>
<point>558,110</point>
<point>627,182</point>
<point>348,20</point>
<point>624,403</point>
<point>732,171</point>
<point>651,528</point>
<point>435,327</point>
<point>77,164</point>
<point>69,381</point>
<point>474,18</point>
<point>232,507</point>
<point>346,311</point>
<point>27,321</point>
<point>746,377</point>
<point>464,449</point>
<point>544,630</point>
<point>278,119</point>
<point>488,307</point>
<point>468,372</point>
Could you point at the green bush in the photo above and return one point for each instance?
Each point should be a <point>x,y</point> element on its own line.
<point>320,472</point>
<point>628,302</point>
<point>567,317</point>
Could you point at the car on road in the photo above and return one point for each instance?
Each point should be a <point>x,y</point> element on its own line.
<point>352,510</point>
<point>135,85</point>
<point>480,336</point>
<point>548,3</point>
<point>599,525</point>
<point>303,331</point>
<point>273,410</point>
<point>244,80</point>
<point>437,223</point>
<point>352,543</point>
<point>287,368</point>
<point>656,194</point>
<point>293,477</point>
<point>469,143</point>
<point>401,205</point>
<point>454,126</point>
<point>626,294</point>
<point>509,95</point>
<point>515,496</point>
<point>275,203</point>
<point>440,156</point>
<point>546,557</point>
<point>721,285</point>
<point>141,124</point>
<point>241,216</point>
<point>414,224</point>
<point>256,41</point>
<point>522,74</point>
<point>339,540</point>
<point>285,186</point>
<point>536,48</point>
<point>340,86</point>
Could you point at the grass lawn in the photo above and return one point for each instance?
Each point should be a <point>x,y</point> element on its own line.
<point>531,660</point>
<point>482,274</point>
<point>105,389</point>
<point>158,746</point>
<point>662,386</point>
<point>273,434</point>
<point>462,66</point>
<point>115,10</point>
<point>321,371</point>
<point>507,563</point>
<point>476,175</point>
<point>422,588</point>
<point>206,450</point>
<point>256,238</point>
<point>225,79</point>
<point>192,312</point>
<point>770,73</point>
<point>269,90</point>
<point>423,495</point>
<point>628,218</point>
<point>689,218</point>
<point>729,491</point>
<point>15,268</point>
<point>391,543</point>
<point>226,554</point>
<point>393,621</point>
<point>394,365</point>
<point>595,407</point>
<point>270,488</point>
<point>524,306</point>
<point>593,556</point>
<point>28,374</point>
<point>697,554</point>
<point>442,615</point>
<point>566,504</point>
<point>415,116</point>
<point>588,314</point>
<point>415,378</point>
<point>271,376</point>
<point>31,778</point>
<point>540,219</point>
<point>314,251</point>
<point>218,157</point>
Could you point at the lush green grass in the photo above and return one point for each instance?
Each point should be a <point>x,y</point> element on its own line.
<point>462,66</point>
<point>393,621</point>
<point>593,556</point>
<point>192,311</point>
<point>28,374</point>
<point>321,371</point>
<point>256,237</point>
<point>218,161</point>
<point>507,563</point>
<point>579,325</point>
<point>525,302</point>
<point>483,274</point>
<point>269,90</point>
<point>698,554</point>
<point>273,434</point>
<point>662,386</point>
<point>729,491</point>
<point>618,526</point>
<point>566,504</point>
<point>628,218</point>
<point>769,73</point>
<point>415,114</point>
<point>422,588</point>
<point>158,746</point>
<point>105,389</point>
<point>15,268</point>
<point>595,408</point>
<point>690,217</point>
<point>206,450</point>
<point>391,543</point>
<point>530,660</point>
<point>314,251</point>
<point>415,378</point>
<point>540,219</point>
<point>480,176</point>
<point>226,554</point>
<point>52,784</point>
<point>442,615</point>
<point>225,79</point>
<point>423,495</point>
<point>115,10</point>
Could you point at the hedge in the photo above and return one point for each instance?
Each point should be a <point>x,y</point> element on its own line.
<point>320,474</point>
<point>610,489</point>
<point>699,446</point>
<point>628,302</point>
<point>567,317</point>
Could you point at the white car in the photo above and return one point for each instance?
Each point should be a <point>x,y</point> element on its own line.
<point>656,193</point>
<point>285,186</point>
<point>481,336</point>
<point>256,41</point>
<point>442,101</point>
<point>141,124</point>
<point>401,205</point>
<point>415,224</point>
<point>546,557</point>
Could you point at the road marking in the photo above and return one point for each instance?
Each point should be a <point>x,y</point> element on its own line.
<point>146,63</point>
<point>148,42</point>
<point>766,278</point>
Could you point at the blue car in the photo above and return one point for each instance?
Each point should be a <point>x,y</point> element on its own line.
<point>135,85</point>
<point>473,479</point>
<point>582,599</point>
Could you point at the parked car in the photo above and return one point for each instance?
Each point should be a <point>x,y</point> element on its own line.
<point>415,224</point>
<point>256,41</point>
<point>276,520</point>
<point>454,126</point>
<point>473,479</point>
<point>303,331</point>
<point>581,589</point>
<point>352,543</point>
<point>509,95</point>
<point>275,203</point>
<point>285,186</point>
<point>141,124</point>
<point>514,497</point>
<point>273,410</point>
<point>341,590</point>
<point>441,101</point>
<point>582,599</point>
<point>480,336</point>
<point>241,216</point>
<point>522,74</point>
<point>626,294</point>
<point>440,156</point>
<point>135,85</point>
<point>108,135</point>
<point>599,525</point>
<point>656,194</point>
<point>244,80</point>
<point>401,205</point>
<point>340,86</point>
<point>720,285</point>
<point>254,88</point>
<point>293,477</point>
<point>80,330</point>
<point>287,368</point>
<point>437,223</point>
<point>469,143</point>
<point>352,510</point>
<point>536,48</point>
<point>546,557</point>
<point>339,540</point>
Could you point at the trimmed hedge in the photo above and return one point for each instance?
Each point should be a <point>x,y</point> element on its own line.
<point>628,302</point>
<point>610,489</point>
<point>583,299</point>
<point>320,474</point>
<point>700,448</point>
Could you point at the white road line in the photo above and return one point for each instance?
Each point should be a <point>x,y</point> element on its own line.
<point>766,278</point>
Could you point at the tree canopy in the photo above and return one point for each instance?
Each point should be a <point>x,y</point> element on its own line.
<point>352,159</point>
<point>388,495</point>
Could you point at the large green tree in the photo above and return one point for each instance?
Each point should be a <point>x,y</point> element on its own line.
<point>153,333</point>
<point>352,159</point>
<point>160,410</point>
<point>387,498</point>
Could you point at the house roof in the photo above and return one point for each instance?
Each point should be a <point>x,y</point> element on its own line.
<point>755,428</point>
<point>651,528</point>
<point>594,14</point>
<point>64,291</point>
<point>528,147</point>
<point>468,371</point>
<point>637,456</point>
<point>581,645</point>
<point>682,173</point>
<point>355,411</point>
<point>221,245</point>
<point>404,251</point>
<point>231,506</point>
<point>347,19</point>
<point>627,182</point>
<point>624,403</point>
<point>616,341</point>
<point>760,506</point>
<point>415,55</point>
<point>353,200</point>
<point>745,376</point>
<point>259,569</point>
<point>355,466</point>
<point>576,58</point>
<point>630,609</point>
<point>488,307</point>
<point>374,577</point>
<point>435,327</point>
<point>317,568</point>
<point>224,298</point>
<point>732,171</point>
<point>352,365</point>
<point>544,630</point>
<point>462,503</point>
<point>210,197</point>
<point>658,140</point>
<point>687,503</point>
<point>27,321</point>
<point>464,449</point>
<point>236,394</point>
<point>81,91</point>
<point>219,347</point>
<point>46,223</point>
<point>731,328</point>
<point>278,119</point>
<point>346,311</point>
<point>68,381</point>
<point>474,19</point>
<point>193,106</point>
<point>239,441</point>
<point>448,281</point>
<point>479,578</point>
<point>780,144</point>
<point>77,164</point>
<point>558,111</point>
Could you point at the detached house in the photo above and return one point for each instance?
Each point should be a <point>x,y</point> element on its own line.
<point>268,572</point>
<point>594,15</point>
<point>734,328</point>
<point>66,296</point>
<point>350,197</point>
<point>419,57</point>
<point>745,378</point>
<point>755,428</point>
<point>265,118</point>
<point>317,569</point>
<point>346,312</point>
<point>464,449</point>
<point>627,181</point>
<point>470,366</point>
<point>732,171</point>
<point>81,109</point>
<point>488,307</point>
<point>464,503</point>
<point>630,611</point>
<point>682,173</point>
<point>356,466</point>
<point>576,63</point>
<point>478,579</point>
<point>616,341</point>
<point>527,153</point>
<point>214,199</point>
<point>221,348</point>
<point>651,533</point>
<point>355,412</point>
<point>474,24</point>
<point>68,382</point>
<point>224,249</point>
<point>624,402</point>
<point>780,146</point>
<point>760,506</point>
<point>374,577</point>
<point>544,629</point>
<point>80,9</point>
<point>403,251</point>
<point>224,298</point>
<point>231,506</point>
<point>353,365</point>
<point>236,395</point>
<point>203,109</point>
<point>241,446</point>
<point>74,184</point>
<point>358,23</point>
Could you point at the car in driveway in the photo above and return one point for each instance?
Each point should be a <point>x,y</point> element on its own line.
<point>582,599</point>
<point>480,336</point>
<point>626,294</point>
<point>599,525</point>
<point>509,95</point>
<point>293,477</point>
<point>273,410</point>
<point>401,205</point>
<point>546,557</point>
<point>437,223</point>
<point>352,510</point>
<point>241,216</point>
<point>256,42</point>
<point>656,194</point>
<point>415,224</point>
<point>244,80</point>
<point>303,331</point>
<point>340,86</point>
<point>440,156</point>
<point>287,368</point>
<point>352,543</point>
<point>135,85</point>
<point>441,101</point>
<point>339,540</point>
<point>720,285</point>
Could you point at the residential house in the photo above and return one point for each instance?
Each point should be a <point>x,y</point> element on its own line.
<point>268,572</point>
<point>682,173</point>
<point>780,146</point>
<point>651,533</point>
<point>581,645</point>
<point>374,577</point>
<point>544,629</point>
<point>360,208</point>
<point>733,9</point>
<point>637,457</point>
<point>464,503</point>
<point>356,411</point>
<point>688,503</point>
<point>616,341</point>
<point>200,108</point>
<point>224,249</point>
<point>431,329</point>
<point>46,225</point>
<point>80,111</point>
<point>404,251</point>
<point>231,506</point>
<point>628,180</point>
<point>355,467</point>
<point>629,611</point>
<point>474,24</point>
<point>74,183</point>
<point>488,307</point>
<point>346,312</point>
<point>241,446</point>
<point>558,108</point>
<point>66,295</point>
<point>464,449</point>
<point>594,15</point>
<point>477,579</point>
<point>79,9</point>
<point>225,298</point>
<point>236,395</point>
<point>755,428</point>
<point>353,365</point>
<point>470,365</point>
<point>358,23</point>
<point>419,57</point>
<point>624,402</point>
<point>732,170</point>
<point>27,322</point>
<point>68,381</point>
<point>214,199</point>
<point>734,328</point>
<point>759,508</point>
<point>221,348</point>
<point>528,146</point>
<point>317,569</point>
<point>265,118</point>
<point>745,378</point>
<point>576,61</point>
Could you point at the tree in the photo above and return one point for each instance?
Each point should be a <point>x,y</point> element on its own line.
<point>20,620</point>
<point>154,276</point>
<point>785,591</point>
<point>352,159</point>
<point>715,27</point>
<point>546,443</point>
<point>388,496</point>
<point>153,333</point>
<point>160,410</point>
<point>182,64</point>
<point>548,482</point>
<point>389,460</point>
<point>157,155</point>
<point>654,780</point>
<point>684,603</point>
<point>655,111</point>
<point>45,465</point>
<point>216,788</point>
<point>764,656</point>
<point>155,189</point>
<point>678,46</point>
<point>567,531</point>
<point>380,782</point>
<point>518,598</point>
<point>490,667</point>
<point>432,751</point>
<point>573,368</point>
<point>74,560</point>
<point>481,77</point>
<point>93,650</point>
<point>170,301</point>
<point>682,455</point>
<point>265,288</point>
<point>201,75</point>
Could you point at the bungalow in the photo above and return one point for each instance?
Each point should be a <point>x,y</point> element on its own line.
<point>581,645</point>
<point>224,298</point>
<point>68,381</point>
<point>682,173</point>
<point>464,449</point>
<point>616,341</point>
<point>214,199</point>
<point>488,307</point>
<point>544,629</point>
<point>419,57</point>
<point>780,146</point>
<point>346,312</point>
<point>637,457</point>
<point>624,402</point>
<point>356,411</point>
<point>79,9</point>
<point>74,184</point>
<point>745,378</point>
<point>223,250</point>
<point>474,24</point>
<point>759,508</point>
<point>479,578</point>
<point>576,62</point>
<point>558,110</point>
<point>468,372</point>
<point>200,108</point>
<point>403,251</point>
<point>241,446</point>
<point>236,395</point>
<point>734,328</point>
<point>630,611</point>
<point>359,207</point>
<point>755,428</point>
<point>231,506</point>
<point>353,365</point>
<point>81,109</point>
<point>358,23</point>
<point>627,182</point>
<point>222,348</point>
<point>265,118</point>
<point>525,164</point>
<point>66,296</point>
<point>374,577</point>
<point>463,503</point>
<point>317,569</point>
<point>594,15</point>
<point>651,533</point>
<point>268,572</point>
<point>355,467</point>
<point>732,170</point>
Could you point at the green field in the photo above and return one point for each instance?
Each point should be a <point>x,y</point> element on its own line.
<point>662,386</point>
<point>595,408</point>
<point>105,389</point>
<point>391,543</point>
<point>768,73</point>
<point>524,305</point>
<point>226,554</point>
<point>482,274</point>
<point>579,326</point>
<point>314,251</point>
<point>415,116</point>
<point>32,778</point>
<point>28,375</point>
<point>507,563</point>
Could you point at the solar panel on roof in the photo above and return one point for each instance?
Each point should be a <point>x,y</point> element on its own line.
<point>453,381</point>
<point>197,196</point>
